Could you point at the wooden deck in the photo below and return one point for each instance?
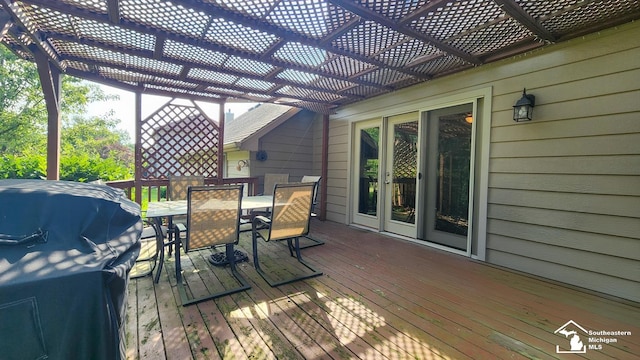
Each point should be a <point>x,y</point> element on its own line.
<point>379,298</point>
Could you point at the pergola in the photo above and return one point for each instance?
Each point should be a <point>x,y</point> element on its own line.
<point>313,54</point>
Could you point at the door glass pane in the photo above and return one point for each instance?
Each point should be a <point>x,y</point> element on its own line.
<point>452,188</point>
<point>405,156</point>
<point>368,187</point>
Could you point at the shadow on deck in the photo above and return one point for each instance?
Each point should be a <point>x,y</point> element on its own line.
<point>379,298</point>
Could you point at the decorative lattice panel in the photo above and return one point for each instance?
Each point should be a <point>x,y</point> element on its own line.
<point>179,140</point>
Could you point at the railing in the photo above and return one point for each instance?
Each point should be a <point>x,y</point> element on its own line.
<point>156,190</point>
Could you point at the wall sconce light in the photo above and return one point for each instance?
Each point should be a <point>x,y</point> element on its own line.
<point>242,164</point>
<point>468,118</point>
<point>523,109</point>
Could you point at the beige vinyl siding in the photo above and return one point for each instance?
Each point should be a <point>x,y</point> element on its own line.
<point>563,189</point>
<point>290,149</point>
<point>337,170</point>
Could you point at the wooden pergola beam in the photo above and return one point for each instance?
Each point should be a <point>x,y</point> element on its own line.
<point>187,66</point>
<point>229,51</point>
<point>5,23</point>
<point>366,13</point>
<point>514,10</point>
<point>50,80</point>
<point>113,8</point>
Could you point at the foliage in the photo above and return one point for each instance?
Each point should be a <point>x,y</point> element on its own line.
<point>21,104</point>
<point>85,168</point>
<point>25,166</point>
<point>91,148</point>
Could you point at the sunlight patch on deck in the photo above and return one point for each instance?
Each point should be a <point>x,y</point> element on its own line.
<point>263,309</point>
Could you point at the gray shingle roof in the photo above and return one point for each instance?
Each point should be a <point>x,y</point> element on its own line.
<point>254,120</point>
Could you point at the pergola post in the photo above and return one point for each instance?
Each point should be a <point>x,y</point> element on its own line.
<point>324,170</point>
<point>50,79</point>
<point>138,148</point>
<point>221,142</point>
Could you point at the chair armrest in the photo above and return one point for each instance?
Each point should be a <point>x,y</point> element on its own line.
<point>245,225</point>
<point>261,220</point>
<point>150,230</point>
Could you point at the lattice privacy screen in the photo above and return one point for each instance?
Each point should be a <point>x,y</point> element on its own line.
<point>179,140</point>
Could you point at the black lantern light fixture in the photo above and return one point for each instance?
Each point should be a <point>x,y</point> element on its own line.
<point>523,109</point>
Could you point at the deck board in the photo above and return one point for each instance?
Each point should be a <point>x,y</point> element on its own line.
<point>379,298</point>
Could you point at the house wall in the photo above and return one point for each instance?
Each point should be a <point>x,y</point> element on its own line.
<point>564,189</point>
<point>290,149</point>
<point>232,159</point>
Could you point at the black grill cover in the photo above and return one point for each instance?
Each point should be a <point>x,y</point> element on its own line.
<point>66,250</point>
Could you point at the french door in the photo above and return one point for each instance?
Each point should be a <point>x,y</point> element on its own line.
<point>367,170</point>
<point>401,174</point>
<point>448,182</point>
<point>414,175</point>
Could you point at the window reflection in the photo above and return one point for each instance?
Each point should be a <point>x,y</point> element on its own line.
<point>405,155</point>
<point>369,160</point>
<point>454,159</point>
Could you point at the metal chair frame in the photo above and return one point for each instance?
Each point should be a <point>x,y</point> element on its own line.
<point>315,179</point>
<point>151,233</point>
<point>287,199</point>
<point>193,240</point>
<point>178,189</point>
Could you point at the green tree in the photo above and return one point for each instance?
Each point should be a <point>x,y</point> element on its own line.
<point>91,147</point>
<point>22,107</point>
<point>95,149</point>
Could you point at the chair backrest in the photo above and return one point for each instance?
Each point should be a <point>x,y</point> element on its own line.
<point>315,179</point>
<point>270,180</point>
<point>291,210</point>
<point>213,215</point>
<point>311,178</point>
<point>178,185</point>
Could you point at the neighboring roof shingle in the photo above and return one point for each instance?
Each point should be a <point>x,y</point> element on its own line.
<point>254,120</point>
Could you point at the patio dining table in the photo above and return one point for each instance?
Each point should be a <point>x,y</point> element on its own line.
<point>159,210</point>
<point>162,209</point>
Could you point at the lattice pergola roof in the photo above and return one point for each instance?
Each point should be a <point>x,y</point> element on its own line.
<point>315,54</point>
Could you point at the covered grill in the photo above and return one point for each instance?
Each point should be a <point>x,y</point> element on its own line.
<point>66,250</point>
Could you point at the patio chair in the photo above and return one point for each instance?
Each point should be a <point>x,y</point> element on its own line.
<point>177,190</point>
<point>152,241</point>
<point>179,185</point>
<point>213,218</point>
<point>315,179</point>
<point>289,221</point>
<point>270,181</point>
